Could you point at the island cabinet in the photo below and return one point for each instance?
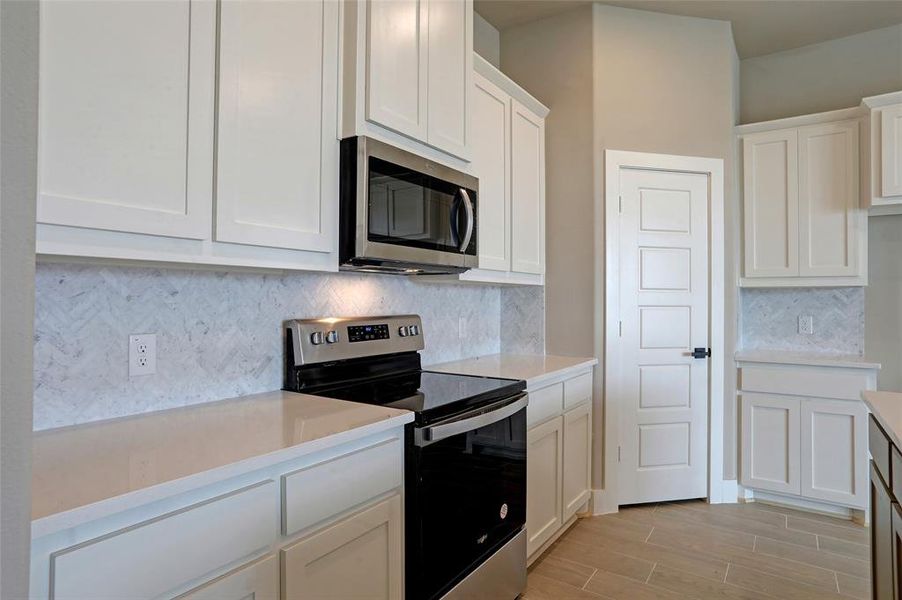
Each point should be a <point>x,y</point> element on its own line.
<point>559,458</point>
<point>886,514</point>
<point>326,525</point>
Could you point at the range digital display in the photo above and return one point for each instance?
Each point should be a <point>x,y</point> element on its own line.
<point>366,333</point>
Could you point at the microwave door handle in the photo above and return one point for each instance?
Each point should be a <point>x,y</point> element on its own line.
<point>430,435</point>
<point>468,206</point>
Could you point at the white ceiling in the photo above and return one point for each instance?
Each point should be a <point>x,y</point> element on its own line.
<point>759,26</point>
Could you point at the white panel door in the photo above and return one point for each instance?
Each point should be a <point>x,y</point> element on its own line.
<point>577,459</point>
<point>277,151</point>
<point>256,581</point>
<point>891,151</point>
<point>450,66</point>
<point>491,153</point>
<point>527,190</point>
<point>361,556</point>
<point>834,451</point>
<point>771,203</point>
<point>397,56</point>
<point>119,148</point>
<point>770,443</point>
<point>664,311</point>
<point>544,478</point>
<point>828,200</point>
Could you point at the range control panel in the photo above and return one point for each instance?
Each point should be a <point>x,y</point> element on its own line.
<point>327,339</point>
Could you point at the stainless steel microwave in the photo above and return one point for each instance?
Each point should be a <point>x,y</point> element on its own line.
<point>401,213</point>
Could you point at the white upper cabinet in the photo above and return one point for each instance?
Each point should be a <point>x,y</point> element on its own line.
<point>803,222</point>
<point>277,145</point>
<point>397,41</point>
<point>771,204</point>
<point>408,68</point>
<point>527,190</point>
<point>491,164</point>
<point>509,160</point>
<point>190,131</point>
<point>828,200</point>
<point>126,127</point>
<point>885,178</point>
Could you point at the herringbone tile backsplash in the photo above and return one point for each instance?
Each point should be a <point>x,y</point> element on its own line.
<point>219,333</point>
<point>770,319</point>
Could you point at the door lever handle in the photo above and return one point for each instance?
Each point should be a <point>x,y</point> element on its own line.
<point>701,352</point>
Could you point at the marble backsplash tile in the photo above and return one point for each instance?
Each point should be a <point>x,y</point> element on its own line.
<point>219,333</point>
<point>523,320</point>
<point>769,319</point>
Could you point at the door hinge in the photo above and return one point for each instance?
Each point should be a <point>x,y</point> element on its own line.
<point>620,330</point>
<point>620,204</point>
<point>618,453</point>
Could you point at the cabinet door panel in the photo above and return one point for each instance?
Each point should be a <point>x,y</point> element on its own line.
<point>358,557</point>
<point>450,66</point>
<point>770,445</point>
<point>897,552</point>
<point>277,152</point>
<point>770,204</point>
<point>527,190</point>
<point>834,451</point>
<point>396,65</point>
<point>881,538</point>
<point>828,200</point>
<point>577,459</point>
<point>491,151</point>
<point>544,478</point>
<point>119,148</point>
<point>257,581</point>
<point>891,151</point>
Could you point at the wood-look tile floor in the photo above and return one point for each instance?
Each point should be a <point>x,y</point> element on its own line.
<point>696,550</point>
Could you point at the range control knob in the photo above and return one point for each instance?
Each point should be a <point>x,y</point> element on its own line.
<point>332,337</point>
<point>317,338</point>
<point>403,331</point>
<point>414,330</point>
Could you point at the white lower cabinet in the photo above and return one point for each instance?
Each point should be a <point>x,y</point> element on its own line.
<point>559,457</point>
<point>258,580</point>
<point>357,557</point>
<point>341,537</point>
<point>544,477</point>
<point>795,444</point>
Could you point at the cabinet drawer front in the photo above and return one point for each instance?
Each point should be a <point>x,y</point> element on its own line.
<point>322,490</point>
<point>577,391</point>
<point>820,383</point>
<point>879,447</point>
<point>155,557</point>
<point>545,403</point>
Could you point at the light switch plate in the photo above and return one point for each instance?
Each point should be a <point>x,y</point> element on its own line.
<point>142,354</point>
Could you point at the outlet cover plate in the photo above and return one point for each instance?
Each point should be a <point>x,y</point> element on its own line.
<point>806,324</point>
<point>142,354</point>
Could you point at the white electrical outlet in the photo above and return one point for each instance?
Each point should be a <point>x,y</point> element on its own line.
<point>806,324</point>
<point>142,354</point>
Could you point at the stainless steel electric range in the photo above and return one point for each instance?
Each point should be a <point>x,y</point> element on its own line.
<point>465,458</point>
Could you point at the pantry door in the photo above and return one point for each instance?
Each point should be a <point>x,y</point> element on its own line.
<point>663,305</point>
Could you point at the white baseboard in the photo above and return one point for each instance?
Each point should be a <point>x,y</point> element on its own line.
<point>603,503</point>
<point>804,504</point>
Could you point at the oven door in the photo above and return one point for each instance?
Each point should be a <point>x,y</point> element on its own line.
<point>466,494</point>
<point>409,210</point>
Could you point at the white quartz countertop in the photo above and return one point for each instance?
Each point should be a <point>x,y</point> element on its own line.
<point>887,409</point>
<point>804,358</point>
<point>87,471</point>
<point>533,368</point>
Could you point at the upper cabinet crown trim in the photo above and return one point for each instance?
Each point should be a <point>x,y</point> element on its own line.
<point>882,100</point>
<point>493,74</point>
<point>842,114</point>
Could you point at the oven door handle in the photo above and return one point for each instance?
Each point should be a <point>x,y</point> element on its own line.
<point>429,435</point>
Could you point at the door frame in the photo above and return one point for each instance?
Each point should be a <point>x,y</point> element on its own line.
<point>615,160</point>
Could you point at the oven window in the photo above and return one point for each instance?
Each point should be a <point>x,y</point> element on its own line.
<point>409,208</point>
<point>471,497</point>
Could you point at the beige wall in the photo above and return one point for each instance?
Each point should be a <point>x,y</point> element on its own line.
<point>627,80</point>
<point>18,155</point>
<point>486,40</point>
<point>821,77</point>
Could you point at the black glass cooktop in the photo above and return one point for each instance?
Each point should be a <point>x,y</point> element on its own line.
<point>432,396</point>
